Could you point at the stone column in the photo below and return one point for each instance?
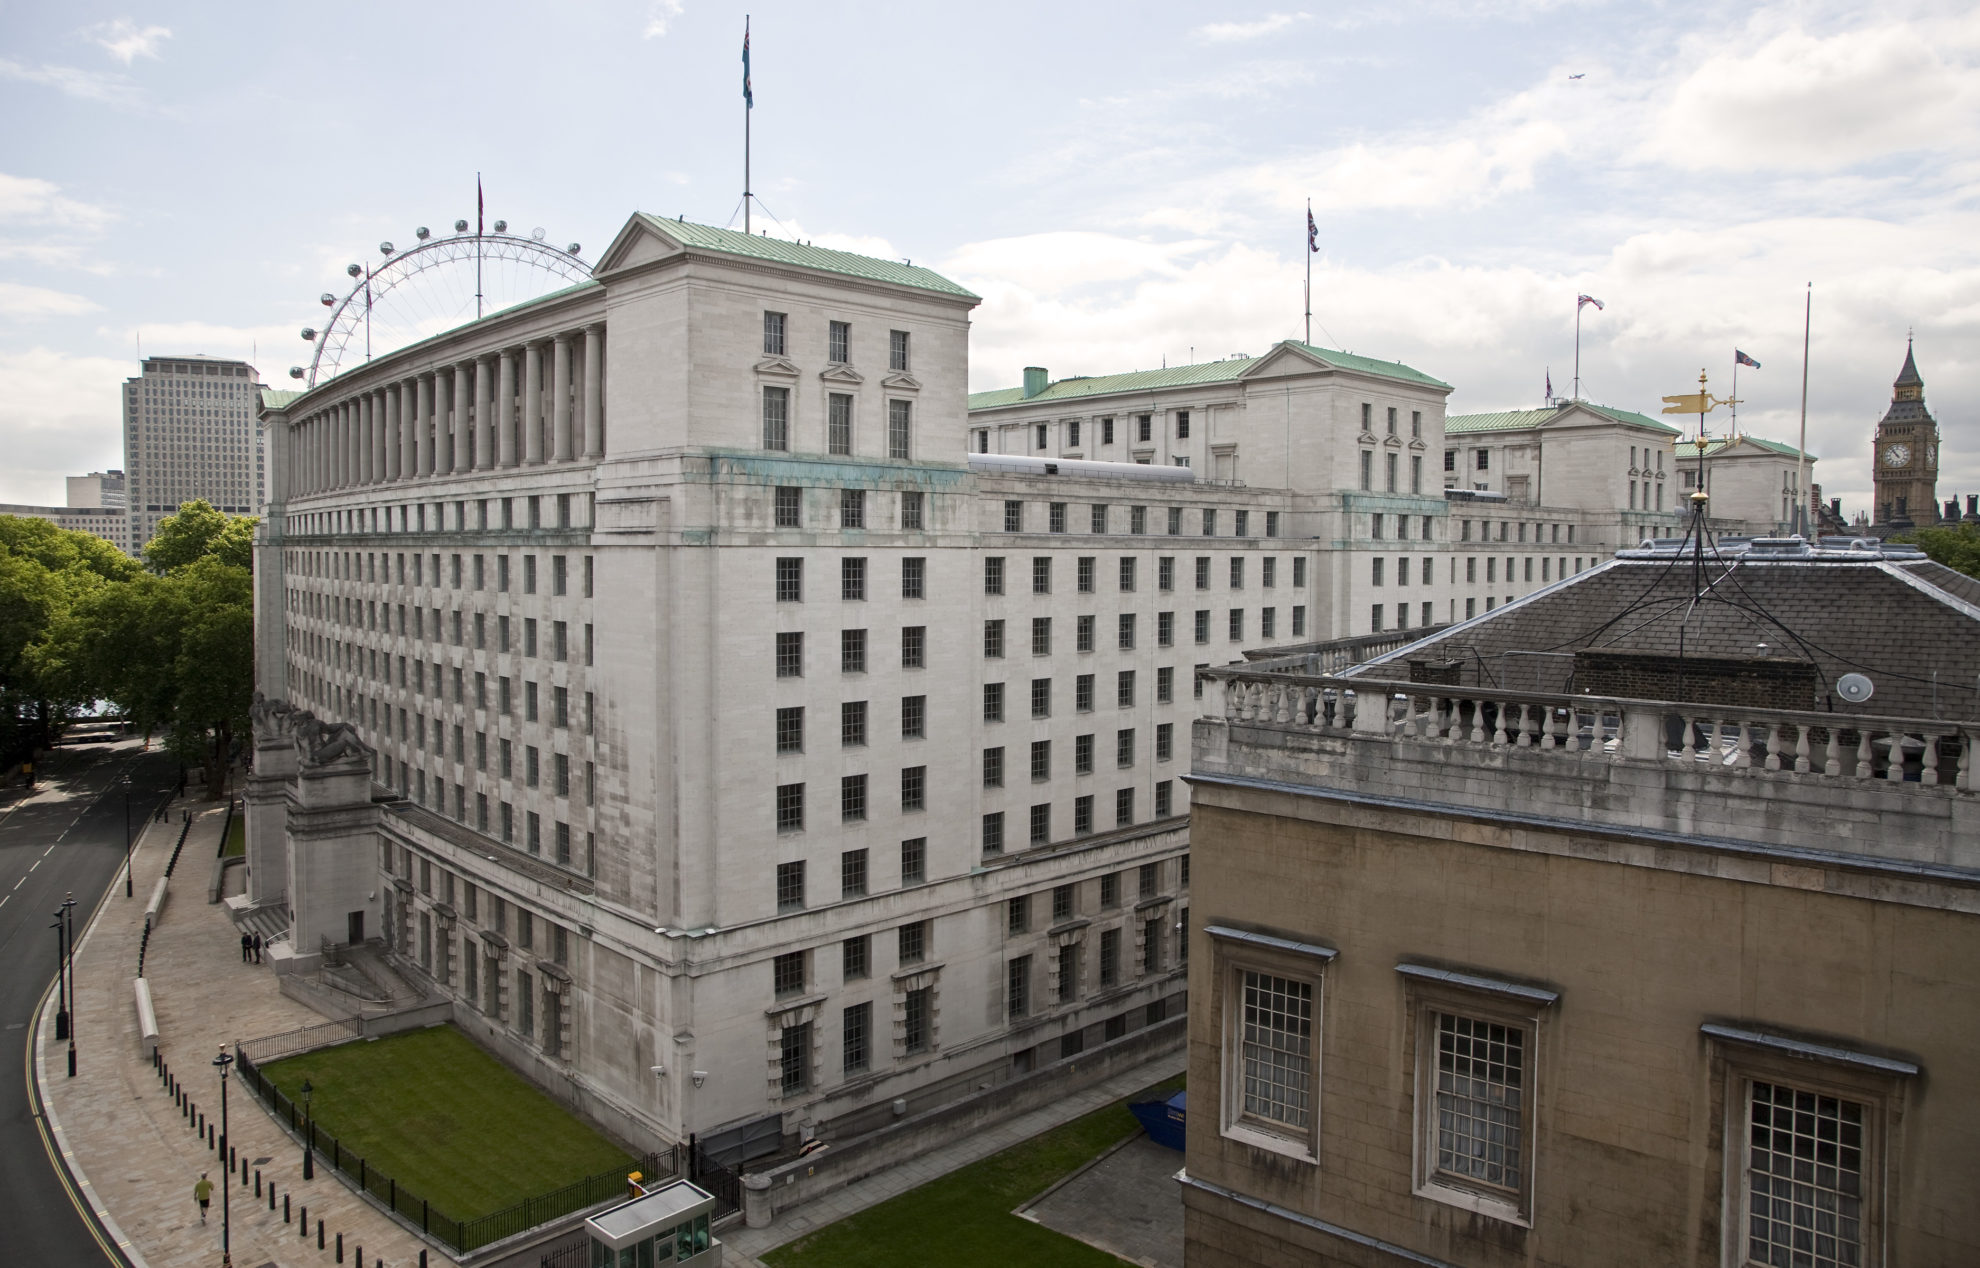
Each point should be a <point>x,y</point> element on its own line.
<point>367,442</point>
<point>560,398</point>
<point>429,419</point>
<point>484,413</point>
<point>381,459</point>
<point>532,436</point>
<point>411,421</point>
<point>594,391</point>
<point>389,407</point>
<point>443,422</point>
<point>505,411</point>
<point>344,447</point>
<point>458,447</point>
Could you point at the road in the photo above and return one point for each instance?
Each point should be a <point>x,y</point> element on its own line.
<point>48,849</point>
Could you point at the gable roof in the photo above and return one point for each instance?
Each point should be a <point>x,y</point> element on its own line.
<point>1715,445</point>
<point>276,398</point>
<point>1229,370</point>
<point>734,242</point>
<point>1522,419</point>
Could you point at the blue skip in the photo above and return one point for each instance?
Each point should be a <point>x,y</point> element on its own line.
<point>1163,1120</point>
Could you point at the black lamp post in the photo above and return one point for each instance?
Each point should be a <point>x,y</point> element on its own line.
<point>221,1062</point>
<point>69,929</point>
<point>62,980</point>
<point>127,836</point>
<point>309,1155</point>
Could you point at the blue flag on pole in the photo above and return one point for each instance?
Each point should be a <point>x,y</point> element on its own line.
<point>1740,358</point>
<point>749,98</point>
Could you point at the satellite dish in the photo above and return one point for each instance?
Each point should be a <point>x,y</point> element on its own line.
<point>537,233</point>
<point>1855,688</point>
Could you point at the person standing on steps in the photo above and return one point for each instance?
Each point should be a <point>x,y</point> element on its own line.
<point>258,945</point>
<point>203,1194</point>
<point>247,948</point>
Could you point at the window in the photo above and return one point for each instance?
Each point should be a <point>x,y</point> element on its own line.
<point>993,833</point>
<point>1041,761</point>
<point>1269,1058</point>
<point>794,1059</point>
<point>790,730</point>
<point>1482,459</point>
<point>1367,470</point>
<point>852,651</point>
<point>897,350</point>
<point>790,892</point>
<point>773,334</point>
<point>852,578</point>
<point>790,580</point>
<point>838,342</point>
<point>852,724</point>
<point>1055,518</point>
<point>789,503</point>
<point>1041,436</point>
<point>993,640</point>
<point>852,874</point>
<point>1389,472</point>
<point>917,1011</point>
<point>790,808</point>
<point>1125,633</point>
<point>852,508</point>
<point>993,702</point>
<point>1041,697</point>
<point>1041,574</point>
<point>1163,798</point>
<point>777,418</point>
<point>1082,815</point>
<point>1182,424</point>
<point>912,940</point>
<point>1013,517</point>
<point>1124,689</point>
<point>1041,824</point>
<point>1144,425</point>
<point>852,798</point>
<point>1209,522</point>
<point>914,861</point>
<point>790,655</point>
<point>1164,741</point>
<point>912,504</point>
<point>914,788</point>
<point>1098,517</point>
<point>1236,624</point>
<point>993,767</point>
<point>1124,747</point>
<point>1237,572</point>
<point>856,1025</point>
<point>993,574</point>
<point>1123,807</point>
<point>914,577</point>
<point>1203,625</point>
<point>838,423</point>
<point>914,717</point>
<point>1062,903</point>
<point>1110,956</point>
<point>1481,1087</point>
<point>914,644</point>
<point>1018,987</point>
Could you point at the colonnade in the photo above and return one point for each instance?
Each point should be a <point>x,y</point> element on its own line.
<point>489,412</point>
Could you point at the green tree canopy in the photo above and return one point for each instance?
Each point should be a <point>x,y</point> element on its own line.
<point>196,531</point>
<point>1957,546</point>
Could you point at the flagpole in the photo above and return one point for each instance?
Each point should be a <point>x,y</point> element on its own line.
<point>1577,347</point>
<point>1733,424</point>
<point>478,216</point>
<point>1308,253</point>
<point>747,105</point>
<point>1801,446</point>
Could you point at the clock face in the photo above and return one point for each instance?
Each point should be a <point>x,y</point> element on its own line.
<point>1897,455</point>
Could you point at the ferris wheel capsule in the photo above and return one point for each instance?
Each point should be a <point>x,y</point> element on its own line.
<point>327,298</point>
<point>460,226</point>
<point>572,249</point>
<point>355,270</point>
<point>537,233</point>
<point>384,248</point>
<point>295,371</point>
<point>501,226</point>
<point>308,334</point>
<point>422,233</point>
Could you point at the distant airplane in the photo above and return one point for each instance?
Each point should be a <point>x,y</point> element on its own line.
<point>1582,75</point>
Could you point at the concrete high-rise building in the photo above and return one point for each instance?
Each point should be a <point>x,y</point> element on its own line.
<point>190,431</point>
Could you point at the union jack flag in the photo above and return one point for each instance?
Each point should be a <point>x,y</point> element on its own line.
<point>1587,299</point>
<point>1312,232</point>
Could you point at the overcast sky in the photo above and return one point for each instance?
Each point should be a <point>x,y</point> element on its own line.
<point>1122,184</point>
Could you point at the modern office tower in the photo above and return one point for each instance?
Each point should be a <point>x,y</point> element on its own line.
<point>99,490</point>
<point>190,432</point>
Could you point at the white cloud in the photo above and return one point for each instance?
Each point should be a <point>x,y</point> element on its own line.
<point>84,85</point>
<point>659,14</point>
<point>62,415</point>
<point>1802,102</point>
<point>20,302</point>
<point>1232,32</point>
<point>31,200</point>
<point>126,41</point>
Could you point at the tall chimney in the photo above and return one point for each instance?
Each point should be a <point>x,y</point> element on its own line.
<point>1035,381</point>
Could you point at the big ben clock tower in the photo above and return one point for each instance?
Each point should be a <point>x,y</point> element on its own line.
<point>1905,457</point>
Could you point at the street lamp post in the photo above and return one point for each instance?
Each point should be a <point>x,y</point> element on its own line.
<point>309,1155</point>
<point>221,1062</point>
<point>127,836</point>
<point>69,929</point>
<point>62,980</point>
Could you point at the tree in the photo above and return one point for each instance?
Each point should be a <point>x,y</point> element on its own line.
<point>1957,546</point>
<point>44,572</point>
<point>197,531</point>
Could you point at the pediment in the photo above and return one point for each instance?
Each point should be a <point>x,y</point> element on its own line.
<point>840,372</point>
<point>641,241</point>
<point>901,381</point>
<point>777,365</point>
<point>1285,359</point>
<point>1392,442</point>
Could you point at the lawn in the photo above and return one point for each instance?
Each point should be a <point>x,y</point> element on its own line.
<point>444,1118</point>
<point>964,1220</point>
<point>236,844</point>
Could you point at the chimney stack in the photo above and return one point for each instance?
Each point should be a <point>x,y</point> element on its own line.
<point>1035,381</point>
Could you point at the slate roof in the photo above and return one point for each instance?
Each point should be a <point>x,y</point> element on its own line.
<point>1897,620</point>
<point>763,247</point>
<point>1228,370</point>
<point>1520,419</point>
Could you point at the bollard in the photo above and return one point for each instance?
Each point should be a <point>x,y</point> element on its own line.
<point>302,1225</point>
<point>360,1257</point>
<point>319,1232</point>
<point>340,1248</point>
<point>285,1209</point>
<point>271,1195</point>
<point>257,1184</point>
<point>422,1259</point>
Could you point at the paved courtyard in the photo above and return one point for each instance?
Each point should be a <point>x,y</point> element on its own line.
<point>1127,1204</point>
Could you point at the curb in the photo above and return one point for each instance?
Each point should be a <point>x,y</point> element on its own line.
<point>56,1140</point>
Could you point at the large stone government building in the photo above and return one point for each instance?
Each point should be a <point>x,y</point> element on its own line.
<point>754,735</point>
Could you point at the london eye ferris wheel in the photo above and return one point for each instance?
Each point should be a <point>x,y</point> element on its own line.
<point>434,285</point>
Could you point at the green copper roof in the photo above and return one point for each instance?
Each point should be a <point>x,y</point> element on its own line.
<point>275,398</point>
<point>764,247</point>
<point>1226,371</point>
<point>1716,444</point>
<point>1521,419</point>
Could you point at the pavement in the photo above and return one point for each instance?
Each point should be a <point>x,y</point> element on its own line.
<point>1126,1202</point>
<point>132,1150</point>
<point>745,1244</point>
<point>64,836</point>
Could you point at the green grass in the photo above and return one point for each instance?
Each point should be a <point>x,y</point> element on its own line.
<point>445,1119</point>
<point>236,844</point>
<point>964,1220</point>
